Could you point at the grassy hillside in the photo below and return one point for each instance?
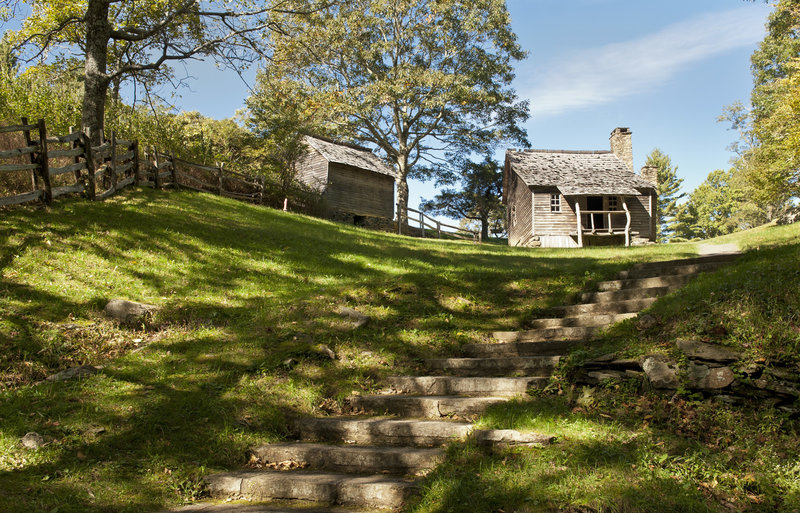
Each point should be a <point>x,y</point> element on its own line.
<point>247,295</point>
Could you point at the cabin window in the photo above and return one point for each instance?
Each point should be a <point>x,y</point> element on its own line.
<point>555,203</point>
<point>613,203</point>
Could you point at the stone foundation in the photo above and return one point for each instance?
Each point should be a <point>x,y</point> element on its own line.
<point>369,222</point>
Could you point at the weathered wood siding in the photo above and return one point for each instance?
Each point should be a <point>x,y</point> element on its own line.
<point>546,222</point>
<point>312,170</point>
<point>519,210</point>
<point>359,191</point>
<point>641,218</point>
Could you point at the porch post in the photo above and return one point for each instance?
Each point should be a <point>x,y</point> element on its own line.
<point>580,225</point>
<point>627,223</point>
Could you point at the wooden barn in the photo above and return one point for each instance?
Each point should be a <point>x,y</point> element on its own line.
<point>356,185</point>
<point>562,199</point>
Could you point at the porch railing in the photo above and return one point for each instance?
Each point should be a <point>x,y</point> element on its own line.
<point>592,229</point>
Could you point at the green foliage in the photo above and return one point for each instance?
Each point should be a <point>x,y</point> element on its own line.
<point>667,187</point>
<point>52,92</point>
<point>710,210</point>
<point>415,78</point>
<point>478,199</point>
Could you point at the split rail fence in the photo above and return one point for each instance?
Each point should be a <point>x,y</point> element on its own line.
<point>424,223</point>
<point>69,164</point>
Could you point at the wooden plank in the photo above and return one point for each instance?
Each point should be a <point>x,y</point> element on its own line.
<point>193,188</point>
<point>19,152</point>
<point>125,156</point>
<point>125,167</point>
<point>164,165</point>
<point>18,167</point>
<point>102,150</point>
<point>74,136</point>
<point>106,194</point>
<point>17,128</point>
<point>73,152</point>
<point>123,142</point>
<point>196,166</point>
<point>164,174</point>
<point>126,182</point>
<point>67,189</point>
<point>239,196</point>
<point>20,198</point>
<point>211,187</point>
<point>67,169</point>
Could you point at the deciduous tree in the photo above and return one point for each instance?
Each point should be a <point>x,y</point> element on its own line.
<point>421,80</point>
<point>478,198</point>
<point>120,40</point>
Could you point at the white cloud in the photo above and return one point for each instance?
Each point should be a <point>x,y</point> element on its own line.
<point>616,70</point>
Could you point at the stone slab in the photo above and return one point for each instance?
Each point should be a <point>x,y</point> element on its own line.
<point>350,458</point>
<point>520,365</point>
<point>470,386</point>
<point>431,407</point>
<point>382,431</point>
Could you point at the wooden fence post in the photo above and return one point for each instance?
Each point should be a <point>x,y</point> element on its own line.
<point>422,224</point>
<point>137,177</point>
<point>44,163</point>
<point>174,169</point>
<point>113,160</point>
<point>438,229</point>
<point>88,154</point>
<point>157,176</point>
<point>399,225</point>
<point>29,142</point>
<point>77,158</point>
<point>219,178</point>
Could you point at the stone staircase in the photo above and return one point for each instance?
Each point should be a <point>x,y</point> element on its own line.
<point>371,459</point>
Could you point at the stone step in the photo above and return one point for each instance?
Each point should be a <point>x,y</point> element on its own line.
<point>715,258</point>
<point>518,349</point>
<point>532,366</point>
<point>381,431</point>
<point>646,283</point>
<point>626,295</point>
<point>545,334</point>
<point>318,487</point>
<point>650,272</point>
<point>249,507</point>
<point>350,458</point>
<point>497,349</point>
<point>605,308</point>
<point>581,321</point>
<point>469,386</point>
<point>431,407</point>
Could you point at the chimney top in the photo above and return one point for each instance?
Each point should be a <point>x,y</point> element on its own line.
<point>621,146</point>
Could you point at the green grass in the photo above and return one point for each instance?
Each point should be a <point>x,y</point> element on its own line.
<point>246,295</point>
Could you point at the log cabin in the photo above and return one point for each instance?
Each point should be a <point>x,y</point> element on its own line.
<point>563,199</point>
<point>356,185</point>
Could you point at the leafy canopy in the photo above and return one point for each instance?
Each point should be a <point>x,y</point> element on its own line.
<point>422,80</point>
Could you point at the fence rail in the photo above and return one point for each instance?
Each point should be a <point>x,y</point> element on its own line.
<point>101,171</point>
<point>425,222</point>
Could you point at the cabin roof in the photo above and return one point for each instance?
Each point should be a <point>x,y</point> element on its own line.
<point>576,173</point>
<point>349,154</point>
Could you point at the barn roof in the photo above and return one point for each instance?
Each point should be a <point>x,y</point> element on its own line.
<point>576,173</point>
<point>349,154</point>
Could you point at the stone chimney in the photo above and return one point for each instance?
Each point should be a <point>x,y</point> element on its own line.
<point>622,147</point>
<point>650,173</point>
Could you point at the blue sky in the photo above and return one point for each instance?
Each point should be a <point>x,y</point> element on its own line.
<point>664,69</point>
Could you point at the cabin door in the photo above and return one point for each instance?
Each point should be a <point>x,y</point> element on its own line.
<point>596,203</point>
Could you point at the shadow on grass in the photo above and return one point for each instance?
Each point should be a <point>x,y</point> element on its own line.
<point>241,290</point>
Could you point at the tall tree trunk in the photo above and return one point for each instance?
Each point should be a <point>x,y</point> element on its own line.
<point>98,32</point>
<point>402,190</point>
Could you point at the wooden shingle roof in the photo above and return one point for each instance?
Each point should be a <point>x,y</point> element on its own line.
<point>349,155</point>
<point>576,173</point>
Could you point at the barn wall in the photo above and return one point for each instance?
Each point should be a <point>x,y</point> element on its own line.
<point>312,169</point>
<point>519,210</point>
<point>359,191</point>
